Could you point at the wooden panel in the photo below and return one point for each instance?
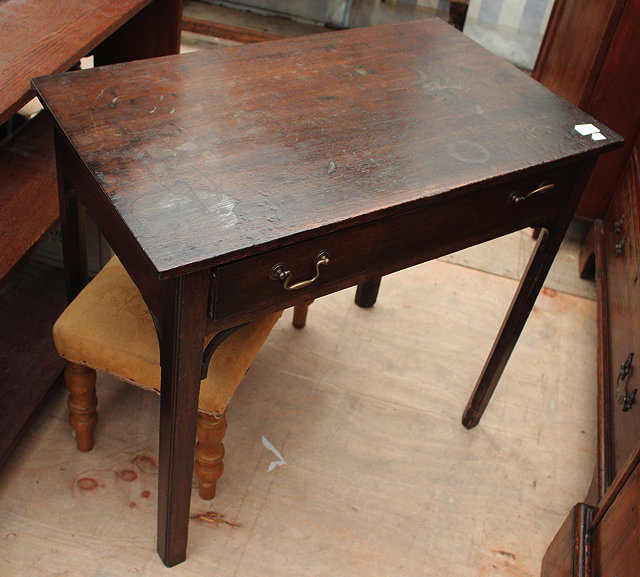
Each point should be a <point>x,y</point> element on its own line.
<point>614,101</point>
<point>154,31</point>
<point>616,537</point>
<point>589,56</point>
<point>603,473</point>
<point>575,45</point>
<point>28,192</point>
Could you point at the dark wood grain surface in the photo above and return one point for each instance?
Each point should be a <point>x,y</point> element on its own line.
<point>209,157</point>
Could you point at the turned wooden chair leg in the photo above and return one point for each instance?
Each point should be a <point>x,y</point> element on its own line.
<point>209,464</point>
<point>82,403</point>
<point>300,314</point>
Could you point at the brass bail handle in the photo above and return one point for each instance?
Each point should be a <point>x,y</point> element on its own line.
<point>624,396</point>
<point>518,197</point>
<point>281,272</point>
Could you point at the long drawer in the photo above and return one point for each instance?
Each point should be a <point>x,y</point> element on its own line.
<point>276,279</point>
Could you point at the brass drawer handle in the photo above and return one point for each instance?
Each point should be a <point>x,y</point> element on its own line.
<point>624,396</point>
<point>619,248</point>
<point>518,197</point>
<point>281,272</point>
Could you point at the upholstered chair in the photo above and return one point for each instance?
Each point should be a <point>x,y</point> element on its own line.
<point>108,328</point>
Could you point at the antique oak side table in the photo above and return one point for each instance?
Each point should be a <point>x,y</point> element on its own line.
<point>240,181</point>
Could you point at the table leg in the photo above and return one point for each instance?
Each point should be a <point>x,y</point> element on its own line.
<point>458,13</point>
<point>549,241</point>
<point>523,301</point>
<point>74,245</point>
<point>539,264</point>
<point>367,293</point>
<point>183,318</point>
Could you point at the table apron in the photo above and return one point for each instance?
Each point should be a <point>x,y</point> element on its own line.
<point>245,288</point>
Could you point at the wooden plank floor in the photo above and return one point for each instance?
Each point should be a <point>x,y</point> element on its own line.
<point>380,477</point>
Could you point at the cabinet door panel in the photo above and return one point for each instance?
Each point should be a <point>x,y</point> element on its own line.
<point>622,308</point>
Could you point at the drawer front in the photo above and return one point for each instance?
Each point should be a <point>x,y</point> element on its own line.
<point>623,310</point>
<point>616,538</point>
<point>356,254</point>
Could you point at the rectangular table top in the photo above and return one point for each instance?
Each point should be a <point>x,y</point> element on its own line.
<point>212,156</point>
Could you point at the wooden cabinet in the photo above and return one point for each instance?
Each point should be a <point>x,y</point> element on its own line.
<point>589,55</point>
<point>604,540</point>
<point>619,324</point>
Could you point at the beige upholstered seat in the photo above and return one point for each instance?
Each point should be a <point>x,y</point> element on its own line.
<point>109,328</point>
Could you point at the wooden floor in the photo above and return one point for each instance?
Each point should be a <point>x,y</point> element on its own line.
<point>380,477</point>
